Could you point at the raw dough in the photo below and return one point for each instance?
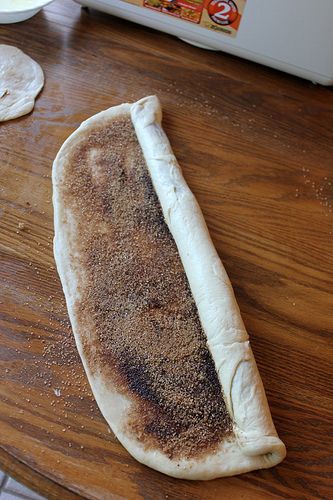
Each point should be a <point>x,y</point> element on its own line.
<point>21,80</point>
<point>253,443</point>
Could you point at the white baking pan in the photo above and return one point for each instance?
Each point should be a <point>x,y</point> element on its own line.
<point>295,36</point>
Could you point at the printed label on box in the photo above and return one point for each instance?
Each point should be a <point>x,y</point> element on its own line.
<point>222,16</point>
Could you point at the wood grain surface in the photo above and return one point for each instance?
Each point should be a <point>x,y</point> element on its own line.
<point>256,147</point>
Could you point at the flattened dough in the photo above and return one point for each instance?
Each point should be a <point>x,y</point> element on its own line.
<point>102,228</point>
<point>21,80</point>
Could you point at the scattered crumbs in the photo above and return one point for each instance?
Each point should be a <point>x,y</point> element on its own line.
<point>322,189</point>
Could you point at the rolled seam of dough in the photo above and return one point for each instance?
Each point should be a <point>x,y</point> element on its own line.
<point>219,313</point>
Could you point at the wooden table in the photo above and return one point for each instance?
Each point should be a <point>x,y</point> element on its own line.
<point>256,148</point>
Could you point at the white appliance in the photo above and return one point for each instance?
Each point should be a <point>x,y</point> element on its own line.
<point>295,36</point>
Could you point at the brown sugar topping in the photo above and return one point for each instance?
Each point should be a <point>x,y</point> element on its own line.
<point>137,318</point>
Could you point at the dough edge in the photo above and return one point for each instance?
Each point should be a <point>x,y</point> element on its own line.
<point>257,445</point>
